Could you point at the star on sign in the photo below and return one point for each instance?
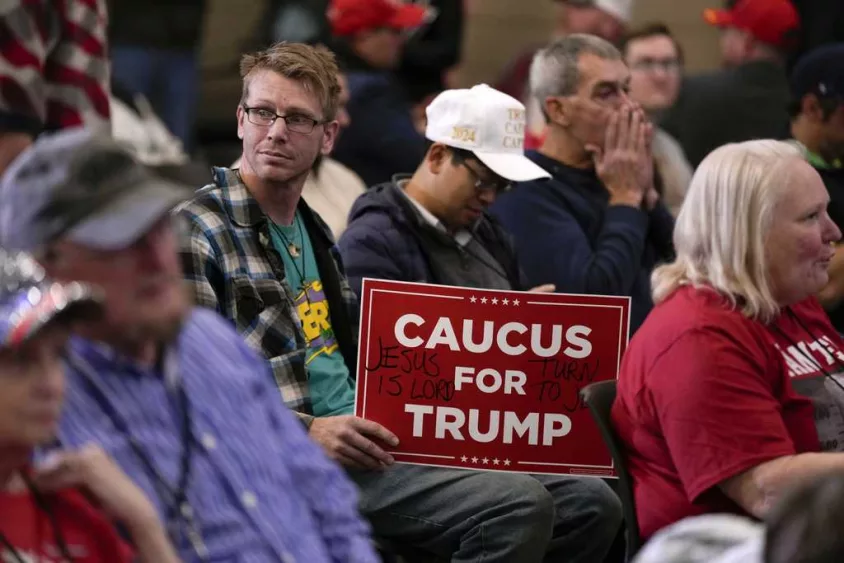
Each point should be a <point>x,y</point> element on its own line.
<point>483,300</point>
<point>506,301</point>
<point>473,299</point>
<point>506,462</point>
<point>516,302</point>
<point>486,461</point>
<point>495,300</point>
<point>495,461</point>
<point>474,460</point>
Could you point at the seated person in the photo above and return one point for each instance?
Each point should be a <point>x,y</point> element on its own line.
<point>259,255</point>
<point>598,226</point>
<point>655,59</point>
<point>171,391</point>
<point>432,227</point>
<point>731,391</point>
<point>368,37</point>
<point>63,509</point>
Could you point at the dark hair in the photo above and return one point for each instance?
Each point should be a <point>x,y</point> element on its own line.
<point>828,105</point>
<point>804,527</point>
<point>653,29</point>
<point>457,155</point>
<point>315,67</point>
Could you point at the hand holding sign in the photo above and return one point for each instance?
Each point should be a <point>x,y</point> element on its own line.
<point>544,288</point>
<point>346,440</point>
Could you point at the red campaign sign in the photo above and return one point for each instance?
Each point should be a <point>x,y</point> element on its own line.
<point>485,379</point>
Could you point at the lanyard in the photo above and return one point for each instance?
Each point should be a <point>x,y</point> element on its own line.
<point>175,498</point>
<point>42,505</point>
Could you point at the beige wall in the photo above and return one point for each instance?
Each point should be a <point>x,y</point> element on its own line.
<point>498,29</point>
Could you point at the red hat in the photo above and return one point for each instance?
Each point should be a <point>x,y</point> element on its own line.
<point>348,17</point>
<point>773,21</point>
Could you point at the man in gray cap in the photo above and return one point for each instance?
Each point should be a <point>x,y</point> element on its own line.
<point>162,386</point>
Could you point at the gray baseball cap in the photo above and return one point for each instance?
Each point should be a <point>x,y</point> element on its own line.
<point>84,186</point>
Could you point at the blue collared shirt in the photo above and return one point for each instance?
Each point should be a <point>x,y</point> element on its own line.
<point>261,490</point>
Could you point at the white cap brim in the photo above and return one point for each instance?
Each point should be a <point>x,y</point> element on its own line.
<point>513,167</point>
<point>129,218</point>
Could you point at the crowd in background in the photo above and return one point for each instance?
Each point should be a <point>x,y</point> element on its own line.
<point>217,423</point>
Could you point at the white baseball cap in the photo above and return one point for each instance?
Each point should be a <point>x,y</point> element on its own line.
<point>80,184</point>
<point>487,122</point>
<point>621,9</point>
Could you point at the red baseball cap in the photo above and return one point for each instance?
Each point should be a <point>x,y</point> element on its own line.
<point>348,17</point>
<point>772,21</point>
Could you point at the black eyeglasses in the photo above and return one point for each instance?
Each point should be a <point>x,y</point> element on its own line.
<point>296,122</point>
<point>495,183</point>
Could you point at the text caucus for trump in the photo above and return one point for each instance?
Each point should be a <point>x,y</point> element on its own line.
<point>484,379</point>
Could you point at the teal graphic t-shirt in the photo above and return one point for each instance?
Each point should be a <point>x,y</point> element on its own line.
<point>332,392</point>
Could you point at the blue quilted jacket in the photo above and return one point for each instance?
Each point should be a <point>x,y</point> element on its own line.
<point>385,240</point>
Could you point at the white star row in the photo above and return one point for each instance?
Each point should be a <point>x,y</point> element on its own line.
<point>494,301</point>
<point>486,460</point>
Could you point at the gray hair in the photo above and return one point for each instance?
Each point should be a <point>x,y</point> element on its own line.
<point>554,71</point>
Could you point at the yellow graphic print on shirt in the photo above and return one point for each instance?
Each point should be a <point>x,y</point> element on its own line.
<point>312,307</point>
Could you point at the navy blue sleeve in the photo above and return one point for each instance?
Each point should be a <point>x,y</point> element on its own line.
<point>661,233</point>
<point>369,251</point>
<point>553,248</point>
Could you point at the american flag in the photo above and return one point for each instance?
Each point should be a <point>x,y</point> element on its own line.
<point>54,68</point>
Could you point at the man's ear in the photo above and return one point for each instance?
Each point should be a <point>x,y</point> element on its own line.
<point>810,106</point>
<point>329,136</point>
<point>240,116</point>
<point>558,110</point>
<point>437,157</point>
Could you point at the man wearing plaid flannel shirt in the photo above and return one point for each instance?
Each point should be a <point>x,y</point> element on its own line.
<point>258,255</point>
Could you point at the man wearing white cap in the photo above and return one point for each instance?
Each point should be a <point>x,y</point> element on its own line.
<point>432,227</point>
<point>422,227</point>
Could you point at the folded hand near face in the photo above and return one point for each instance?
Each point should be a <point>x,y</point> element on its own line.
<point>625,164</point>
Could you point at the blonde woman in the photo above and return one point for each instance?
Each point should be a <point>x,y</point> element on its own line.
<point>730,392</point>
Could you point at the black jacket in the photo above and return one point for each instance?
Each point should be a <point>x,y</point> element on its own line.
<point>729,106</point>
<point>833,178</point>
<point>567,234</point>
<point>386,240</point>
<point>381,140</point>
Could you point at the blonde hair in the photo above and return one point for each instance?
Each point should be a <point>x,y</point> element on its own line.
<point>315,67</point>
<point>722,227</point>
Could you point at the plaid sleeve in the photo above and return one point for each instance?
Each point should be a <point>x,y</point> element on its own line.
<point>200,265</point>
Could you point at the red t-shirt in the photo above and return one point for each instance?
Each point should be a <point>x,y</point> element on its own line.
<point>705,393</point>
<point>89,536</point>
